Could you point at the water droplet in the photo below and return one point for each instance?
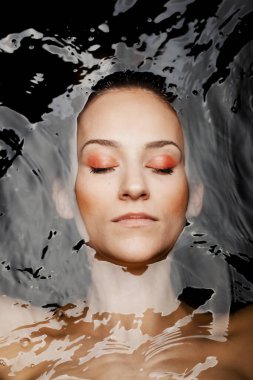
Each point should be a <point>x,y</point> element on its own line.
<point>25,342</point>
<point>2,363</point>
<point>59,315</point>
<point>104,28</point>
<point>94,47</point>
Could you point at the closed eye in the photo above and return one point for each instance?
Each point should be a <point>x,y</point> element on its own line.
<point>101,170</point>
<point>163,171</point>
<point>106,170</point>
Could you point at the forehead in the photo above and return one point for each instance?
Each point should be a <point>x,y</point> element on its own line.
<point>129,113</point>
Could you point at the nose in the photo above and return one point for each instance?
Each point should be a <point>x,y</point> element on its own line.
<point>133,186</point>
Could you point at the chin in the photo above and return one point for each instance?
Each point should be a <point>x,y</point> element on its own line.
<point>132,256</point>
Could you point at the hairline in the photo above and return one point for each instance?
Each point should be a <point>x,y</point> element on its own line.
<point>125,86</point>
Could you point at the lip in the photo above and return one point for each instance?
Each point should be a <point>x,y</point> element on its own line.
<point>134,219</point>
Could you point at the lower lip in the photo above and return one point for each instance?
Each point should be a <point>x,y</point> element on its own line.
<point>135,222</point>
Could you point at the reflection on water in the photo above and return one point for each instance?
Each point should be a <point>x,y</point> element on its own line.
<point>107,346</point>
<point>205,51</point>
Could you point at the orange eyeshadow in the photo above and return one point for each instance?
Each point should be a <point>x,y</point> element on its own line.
<point>162,162</point>
<point>100,161</point>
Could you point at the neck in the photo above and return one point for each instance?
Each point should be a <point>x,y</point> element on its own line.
<point>115,290</point>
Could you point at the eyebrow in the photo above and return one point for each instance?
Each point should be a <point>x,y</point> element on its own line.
<point>111,143</point>
<point>161,143</point>
<point>115,144</point>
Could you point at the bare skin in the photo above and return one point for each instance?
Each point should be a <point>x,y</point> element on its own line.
<point>89,343</point>
<point>66,344</point>
<point>130,151</point>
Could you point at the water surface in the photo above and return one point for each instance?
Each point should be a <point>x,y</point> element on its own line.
<point>206,52</point>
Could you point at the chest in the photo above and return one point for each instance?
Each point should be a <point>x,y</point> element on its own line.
<point>161,357</point>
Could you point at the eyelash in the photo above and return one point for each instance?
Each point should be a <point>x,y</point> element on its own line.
<point>106,170</point>
<point>164,171</point>
<point>100,170</point>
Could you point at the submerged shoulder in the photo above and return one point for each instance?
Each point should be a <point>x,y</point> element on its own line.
<point>241,330</point>
<point>16,313</point>
<point>242,320</point>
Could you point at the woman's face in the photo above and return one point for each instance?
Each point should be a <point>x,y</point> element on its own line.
<point>131,186</point>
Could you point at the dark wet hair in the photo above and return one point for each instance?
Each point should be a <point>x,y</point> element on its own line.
<point>133,79</point>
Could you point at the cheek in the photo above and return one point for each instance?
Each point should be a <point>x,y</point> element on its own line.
<point>85,196</point>
<point>176,198</point>
<point>91,196</point>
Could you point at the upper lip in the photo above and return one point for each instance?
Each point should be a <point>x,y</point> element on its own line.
<point>134,215</point>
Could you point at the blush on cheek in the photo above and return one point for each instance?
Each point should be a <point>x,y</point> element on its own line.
<point>182,201</point>
<point>85,208</point>
<point>179,192</point>
<point>83,197</point>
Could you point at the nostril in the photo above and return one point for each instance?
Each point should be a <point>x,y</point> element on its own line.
<point>133,187</point>
<point>135,195</point>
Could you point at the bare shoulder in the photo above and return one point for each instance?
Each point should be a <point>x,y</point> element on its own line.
<point>241,330</point>
<point>242,320</point>
<point>15,313</point>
